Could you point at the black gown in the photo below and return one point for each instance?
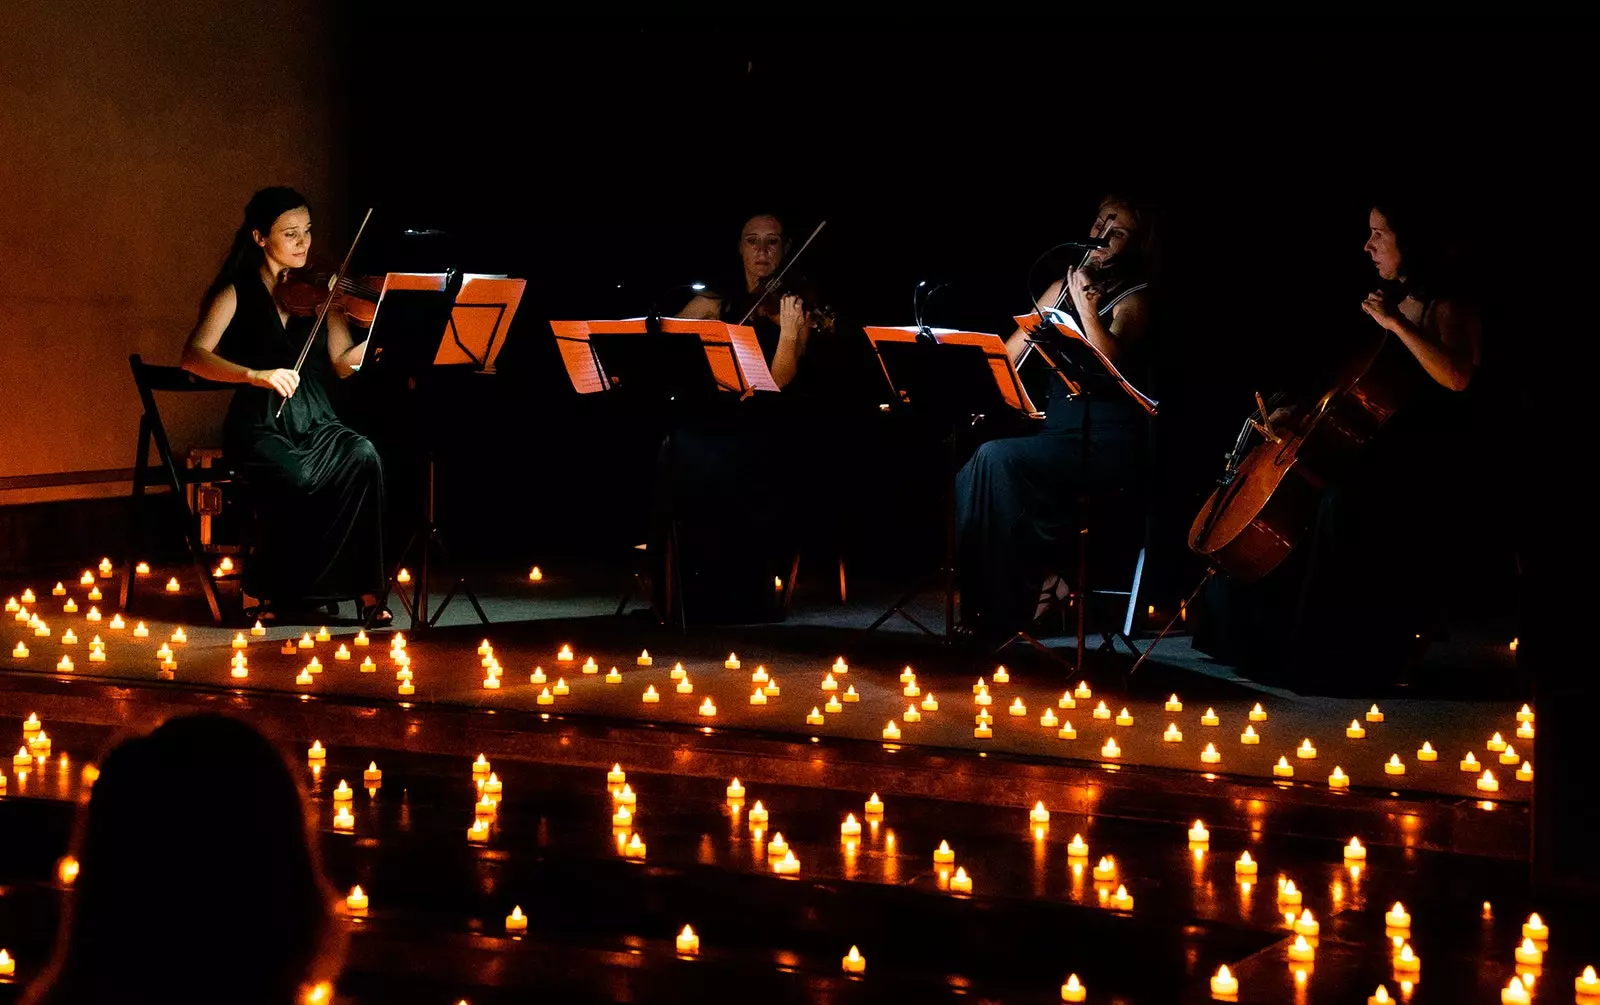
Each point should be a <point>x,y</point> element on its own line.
<point>316,484</point>
<point>1017,498</point>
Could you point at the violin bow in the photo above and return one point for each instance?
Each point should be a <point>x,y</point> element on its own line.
<point>772,283</point>
<point>322,312</point>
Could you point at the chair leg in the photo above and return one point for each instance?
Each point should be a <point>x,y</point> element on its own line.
<point>794,576</point>
<point>135,518</point>
<point>841,579</point>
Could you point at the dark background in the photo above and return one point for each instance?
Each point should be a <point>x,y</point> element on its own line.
<point>610,168</point>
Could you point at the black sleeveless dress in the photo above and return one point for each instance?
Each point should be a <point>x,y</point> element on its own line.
<point>1017,497</point>
<point>317,485</point>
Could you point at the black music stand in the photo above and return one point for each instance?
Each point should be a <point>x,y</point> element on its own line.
<point>412,322</point>
<point>1077,363</point>
<point>953,386</point>
<point>681,365</point>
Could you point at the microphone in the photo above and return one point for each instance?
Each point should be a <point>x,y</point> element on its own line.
<point>919,300</point>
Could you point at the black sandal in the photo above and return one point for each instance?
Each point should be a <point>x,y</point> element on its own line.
<point>373,616</point>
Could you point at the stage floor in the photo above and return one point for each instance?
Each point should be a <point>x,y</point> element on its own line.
<point>531,622</point>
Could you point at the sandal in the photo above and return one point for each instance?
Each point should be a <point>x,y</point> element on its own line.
<point>1053,593</point>
<point>373,616</point>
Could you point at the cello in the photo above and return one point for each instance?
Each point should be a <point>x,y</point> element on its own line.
<point>1268,495</point>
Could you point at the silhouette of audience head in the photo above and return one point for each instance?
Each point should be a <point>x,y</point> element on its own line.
<point>199,880</point>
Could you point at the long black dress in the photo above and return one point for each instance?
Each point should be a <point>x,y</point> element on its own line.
<point>316,484</point>
<point>1017,498</point>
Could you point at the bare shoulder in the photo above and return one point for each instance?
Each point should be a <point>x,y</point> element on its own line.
<point>702,308</point>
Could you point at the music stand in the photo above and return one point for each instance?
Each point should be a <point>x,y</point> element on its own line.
<point>1077,362</point>
<point>954,378</point>
<point>684,363</point>
<point>423,321</point>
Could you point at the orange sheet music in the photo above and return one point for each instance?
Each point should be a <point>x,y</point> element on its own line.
<point>731,350</point>
<point>482,313</point>
<point>994,349</point>
<point>1063,323</point>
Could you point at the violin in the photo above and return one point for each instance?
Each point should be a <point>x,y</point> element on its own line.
<point>301,293</point>
<point>769,299</point>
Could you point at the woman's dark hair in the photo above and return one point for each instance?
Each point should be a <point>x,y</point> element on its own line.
<point>198,877</point>
<point>244,255</point>
<point>1137,261</point>
<point>1420,240</point>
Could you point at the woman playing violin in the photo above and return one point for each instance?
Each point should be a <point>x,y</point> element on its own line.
<point>1017,498</point>
<point>782,320</point>
<point>316,483</point>
<point>1357,601</point>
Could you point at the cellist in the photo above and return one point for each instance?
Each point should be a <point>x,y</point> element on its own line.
<point>1358,599</point>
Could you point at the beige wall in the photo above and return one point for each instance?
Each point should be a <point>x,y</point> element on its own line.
<point>131,135</point>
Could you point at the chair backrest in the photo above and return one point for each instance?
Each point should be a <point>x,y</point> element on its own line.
<point>150,378</point>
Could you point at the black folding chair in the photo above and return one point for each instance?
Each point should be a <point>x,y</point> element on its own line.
<point>150,379</point>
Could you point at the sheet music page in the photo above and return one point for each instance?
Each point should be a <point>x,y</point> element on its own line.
<point>572,338</point>
<point>482,314</point>
<point>994,349</point>
<point>1064,324</point>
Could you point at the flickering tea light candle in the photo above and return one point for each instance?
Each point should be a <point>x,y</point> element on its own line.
<point>771,688</point>
<point>911,690</point>
<point>70,638</point>
<point>356,903</point>
<point>31,724</point>
<point>874,806</point>
<point>621,819</point>
<point>1515,992</point>
<point>1528,954</point>
<point>1469,763</point>
<point>403,576</point>
<point>982,698</point>
<point>1105,870</point>
<point>1486,783</point>
<point>1394,766</point>
<point>1397,917</point>
<point>1525,731</point>
<point>1066,732</point>
<point>1249,737</point>
<point>840,666</point>
<point>491,683</point>
<point>21,759</point>
<point>1338,779</point>
<point>1210,755</point>
<point>1535,928</point>
<point>1101,711</point>
<point>614,676</point>
<point>40,744</point>
<point>814,717</point>
<point>829,684</point>
<point>1173,704</point>
<point>707,708</point>
<point>21,651</point>
<point>625,795</point>
<point>1198,833</point>
<point>493,786</point>
<point>1121,900</point>
<point>316,752</point>
<point>983,718</point>
<point>850,693</point>
<point>303,678</point>
<point>891,731</point>
<point>12,606</point>
<point>1355,851</point>
<point>1124,718</point>
<point>911,714</point>
<point>851,827</point>
<point>478,833</point>
<point>27,596</point>
<point>1245,866</point>
<point>403,674</point>
<point>372,776</point>
<point>1306,925</point>
<point>1288,894</point>
<point>1524,773</point>
<point>1082,691</point>
<point>732,662</point>
<point>59,590</point>
<point>650,697</point>
<point>65,664</point>
<point>1525,714</point>
<point>367,666</point>
<point>163,653</point>
<point>70,607</point>
<point>1001,675</point>
<point>1110,749</point>
<point>94,615</point>
<point>1258,714</point>
<point>788,865</point>
<point>42,630</point>
<point>688,943</point>
<point>1048,719</point>
<point>343,793</point>
<point>832,705</point>
<point>1209,718</point>
<point>565,655</point>
<point>685,686</point>
<point>516,921</point>
<point>1588,982</point>
<point>1300,951</point>
<point>343,819</point>
<point>1224,983</point>
<point>1426,752</point>
<point>1305,751</point>
<point>1510,755</point>
<point>758,697</point>
<point>1018,708</point>
<point>590,666</point>
<point>758,814</point>
<point>1355,730</point>
<point>1066,700</point>
<point>983,730</point>
<point>1496,743</point>
<point>735,790</point>
<point>961,882</point>
<point>561,688</point>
